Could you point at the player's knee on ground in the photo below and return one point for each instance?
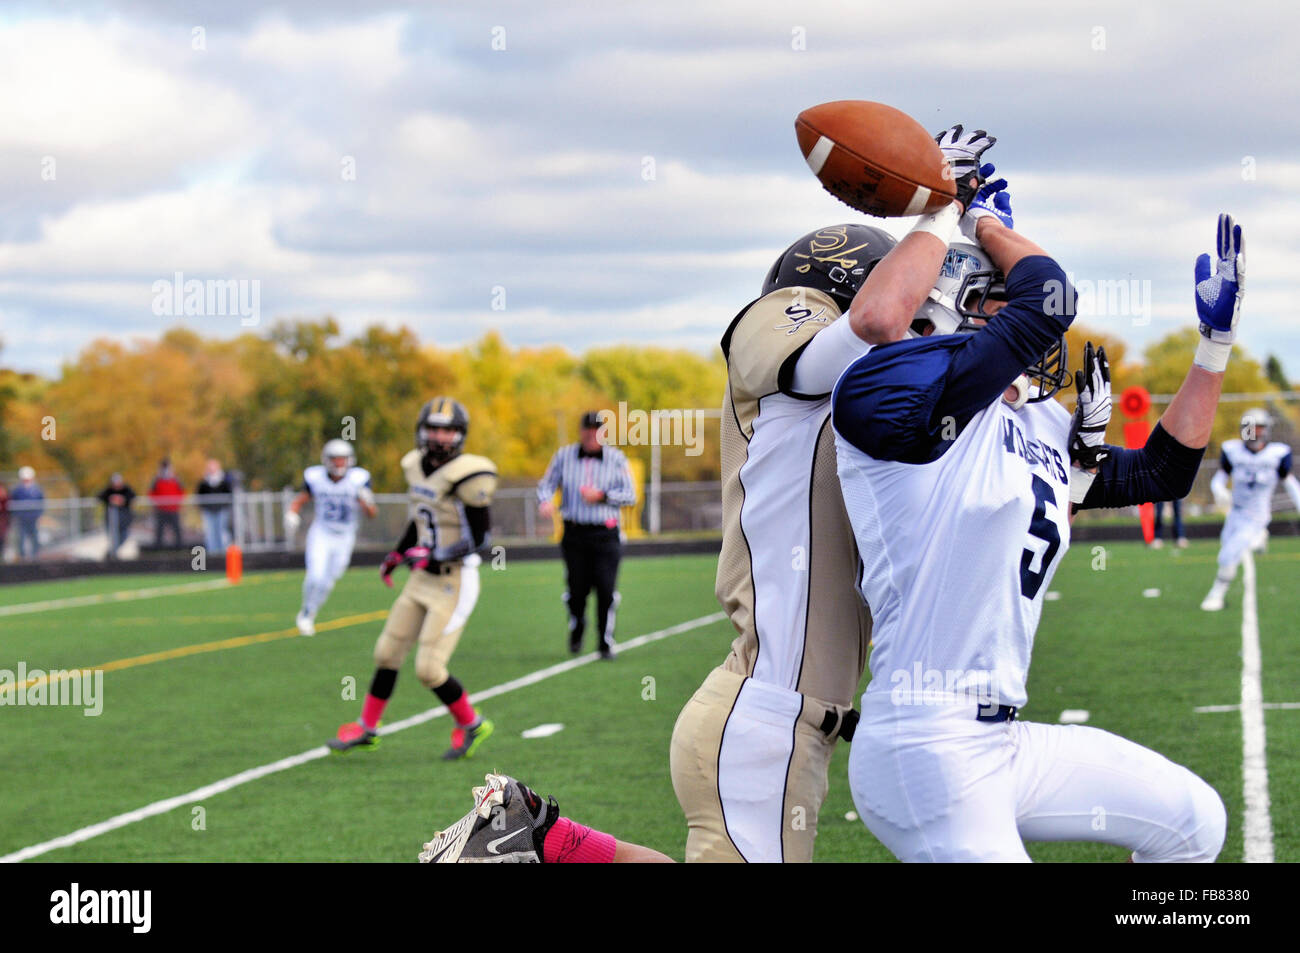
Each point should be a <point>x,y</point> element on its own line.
<point>1196,833</point>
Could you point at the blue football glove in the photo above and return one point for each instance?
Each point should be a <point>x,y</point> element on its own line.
<point>1218,296</point>
<point>991,199</point>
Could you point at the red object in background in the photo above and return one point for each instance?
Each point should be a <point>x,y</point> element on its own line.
<point>234,564</point>
<point>1135,402</point>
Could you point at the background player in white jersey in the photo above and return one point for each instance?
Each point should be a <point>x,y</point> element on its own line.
<point>1256,465</point>
<point>959,490</point>
<point>339,491</point>
<point>450,498</point>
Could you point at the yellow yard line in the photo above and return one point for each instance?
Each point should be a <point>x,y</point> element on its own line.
<point>186,650</point>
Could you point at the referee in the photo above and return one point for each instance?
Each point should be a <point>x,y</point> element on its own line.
<point>595,482</point>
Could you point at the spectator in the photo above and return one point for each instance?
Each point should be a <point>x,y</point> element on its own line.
<point>117,497</point>
<point>4,519</point>
<point>28,502</point>
<point>216,512</point>
<point>1179,539</point>
<point>166,494</point>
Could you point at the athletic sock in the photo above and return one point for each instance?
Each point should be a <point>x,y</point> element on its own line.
<point>568,842</point>
<point>463,711</point>
<point>372,711</point>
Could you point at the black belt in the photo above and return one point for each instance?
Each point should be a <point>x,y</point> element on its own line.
<point>440,569</point>
<point>1003,713</point>
<point>846,725</point>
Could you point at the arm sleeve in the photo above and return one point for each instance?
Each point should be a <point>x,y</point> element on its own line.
<point>479,519</point>
<point>824,358</point>
<point>1292,486</point>
<point>1219,483</point>
<point>1284,467</point>
<point>550,481</point>
<point>1224,463</point>
<point>1162,470</point>
<point>900,401</point>
<point>623,492</point>
<point>408,539</point>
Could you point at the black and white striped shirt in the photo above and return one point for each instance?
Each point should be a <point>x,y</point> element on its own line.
<point>572,469</point>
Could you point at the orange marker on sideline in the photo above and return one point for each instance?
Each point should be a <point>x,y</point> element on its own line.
<point>234,564</point>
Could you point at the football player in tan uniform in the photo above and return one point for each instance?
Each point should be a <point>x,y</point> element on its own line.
<point>751,749</point>
<point>450,495</point>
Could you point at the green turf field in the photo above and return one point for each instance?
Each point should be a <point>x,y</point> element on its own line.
<point>176,719</point>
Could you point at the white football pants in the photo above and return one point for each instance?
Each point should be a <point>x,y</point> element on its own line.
<point>328,556</point>
<point>934,784</point>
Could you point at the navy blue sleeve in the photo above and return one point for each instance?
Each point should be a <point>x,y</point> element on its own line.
<point>1224,463</point>
<point>1284,467</point>
<point>1164,469</point>
<point>893,403</point>
<point>1039,309</point>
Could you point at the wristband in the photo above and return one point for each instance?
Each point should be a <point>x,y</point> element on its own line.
<point>940,224</point>
<point>1212,355</point>
<point>1080,484</point>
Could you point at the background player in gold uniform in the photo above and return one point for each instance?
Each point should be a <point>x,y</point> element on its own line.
<point>450,495</point>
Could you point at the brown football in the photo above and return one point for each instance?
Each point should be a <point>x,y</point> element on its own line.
<point>874,158</point>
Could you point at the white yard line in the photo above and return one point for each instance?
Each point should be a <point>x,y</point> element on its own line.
<point>124,595</point>
<point>284,764</point>
<point>1267,706</point>
<point>1258,829</point>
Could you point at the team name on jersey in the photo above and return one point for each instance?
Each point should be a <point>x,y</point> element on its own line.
<point>1033,452</point>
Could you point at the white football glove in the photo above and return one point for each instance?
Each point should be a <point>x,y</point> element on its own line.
<point>291,523</point>
<point>963,150</point>
<point>1087,441</point>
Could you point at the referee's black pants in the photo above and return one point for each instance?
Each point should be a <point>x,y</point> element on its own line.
<point>591,554</point>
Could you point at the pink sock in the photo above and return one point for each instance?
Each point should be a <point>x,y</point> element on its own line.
<point>568,842</point>
<point>372,709</point>
<point>462,710</point>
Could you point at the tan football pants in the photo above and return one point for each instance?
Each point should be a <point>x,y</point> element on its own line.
<point>432,609</point>
<point>749,764</point>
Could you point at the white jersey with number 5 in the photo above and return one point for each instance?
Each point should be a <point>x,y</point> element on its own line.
<point>335,501</point>
<point>958,554</point>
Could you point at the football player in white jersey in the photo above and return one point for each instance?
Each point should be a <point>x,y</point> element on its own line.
<point>340,492</point>
<point>960,475</point>
<point>1256,466</point>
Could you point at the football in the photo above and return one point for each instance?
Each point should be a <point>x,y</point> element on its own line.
<point>874,158</point>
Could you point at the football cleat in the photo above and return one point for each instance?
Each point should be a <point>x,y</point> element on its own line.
<point>465,741</point>
<point>508,825</point>
<point>1213,602</point>
<point>306,624</point>
<point>353,735</point>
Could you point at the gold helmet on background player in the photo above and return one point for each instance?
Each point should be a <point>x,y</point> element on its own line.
<point>441,413</point>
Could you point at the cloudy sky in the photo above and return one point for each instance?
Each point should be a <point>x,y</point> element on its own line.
<point>590,173</point>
